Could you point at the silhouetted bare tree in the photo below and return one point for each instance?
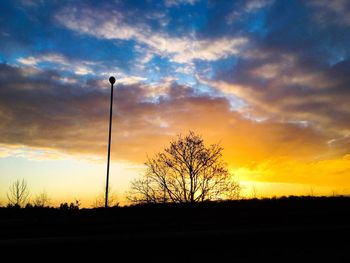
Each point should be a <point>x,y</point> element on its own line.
<point>42,200</point>
<point>100,199</point>
<point>18,193</point>
<point>185,172</point>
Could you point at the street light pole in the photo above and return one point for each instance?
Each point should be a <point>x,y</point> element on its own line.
<point>112,81</point>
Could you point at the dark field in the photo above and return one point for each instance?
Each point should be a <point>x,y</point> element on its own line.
<point>288,229</point>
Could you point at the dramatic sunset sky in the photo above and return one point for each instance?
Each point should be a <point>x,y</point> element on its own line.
<point>269,80</point>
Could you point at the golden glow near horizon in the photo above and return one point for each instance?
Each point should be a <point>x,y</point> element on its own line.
<point>69,177</point>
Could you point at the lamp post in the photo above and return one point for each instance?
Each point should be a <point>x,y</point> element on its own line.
<point>112,81</point>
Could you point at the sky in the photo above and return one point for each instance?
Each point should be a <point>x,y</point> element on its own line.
<point>268,80</point>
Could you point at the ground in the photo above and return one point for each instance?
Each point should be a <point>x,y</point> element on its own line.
<point>287,229</point>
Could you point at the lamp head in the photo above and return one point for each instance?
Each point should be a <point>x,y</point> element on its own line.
<point>112,80</point>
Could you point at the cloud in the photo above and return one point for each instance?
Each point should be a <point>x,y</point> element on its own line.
<point>245,8</point>
<point>67,117</point>
<point>300,78</point>
<point>252,5</point>
<point>209,50</point>
<point>79,67</point>
<point>287,91</point>
<point>33,154</point>
<point>337,12</point>
<point>31,3</point>
<point>183,49</point>
<point>75,67</point>
<point>171,3</point>
<point>188,70</point>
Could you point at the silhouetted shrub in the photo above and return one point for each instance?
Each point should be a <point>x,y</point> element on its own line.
<point>75,205</point>
<point>28,206</point>
<point>72,206</point>
<point>64,206</point>
<point>13,206</point>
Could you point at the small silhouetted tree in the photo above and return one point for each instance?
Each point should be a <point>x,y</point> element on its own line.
<point>100,199</point>
<point>185,172</point>
<point>18,193</point>
<point>42,200</point>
